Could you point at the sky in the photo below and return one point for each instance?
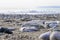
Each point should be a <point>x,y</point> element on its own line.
<point>26,4</point>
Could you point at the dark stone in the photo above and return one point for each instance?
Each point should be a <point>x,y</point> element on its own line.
<point>5,30</point>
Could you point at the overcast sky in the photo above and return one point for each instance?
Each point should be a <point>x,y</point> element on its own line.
<point>29,4</point>
<point>9,4</point>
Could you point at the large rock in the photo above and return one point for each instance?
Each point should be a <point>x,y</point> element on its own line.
<point>45,36</point>
<point>55,35</point>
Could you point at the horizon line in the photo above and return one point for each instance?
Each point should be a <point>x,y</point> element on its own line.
<point>48,7</point>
